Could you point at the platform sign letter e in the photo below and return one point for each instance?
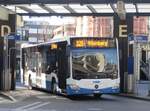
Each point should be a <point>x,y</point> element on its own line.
<point>122,30</point>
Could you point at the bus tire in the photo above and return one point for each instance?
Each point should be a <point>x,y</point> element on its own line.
<point>29,83</point>
<point>53,86</point>
<point>97,95</point>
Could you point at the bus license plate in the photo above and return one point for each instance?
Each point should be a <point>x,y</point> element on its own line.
<point>96,91</point>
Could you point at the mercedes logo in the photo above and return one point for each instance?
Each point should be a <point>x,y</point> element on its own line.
<point>96,86</point>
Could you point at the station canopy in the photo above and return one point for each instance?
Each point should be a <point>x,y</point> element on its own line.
<point>73,7</point>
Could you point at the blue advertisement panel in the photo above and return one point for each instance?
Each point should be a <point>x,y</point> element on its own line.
<point>130,64</point>
<point>141,38</point>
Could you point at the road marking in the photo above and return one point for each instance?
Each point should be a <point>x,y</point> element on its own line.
<point>45,97</point>
<point>95,109</point>
<point>29,105</point>
<point>51,97</point>
<point>38,106</point>
<point>63,98</point>
<point>2,101</point>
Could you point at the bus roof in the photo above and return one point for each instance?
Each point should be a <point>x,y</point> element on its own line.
<point>26,45</point>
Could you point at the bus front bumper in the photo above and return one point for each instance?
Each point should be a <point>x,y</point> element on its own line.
<point>78,91</point>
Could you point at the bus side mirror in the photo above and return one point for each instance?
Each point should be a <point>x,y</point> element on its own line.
<point>34,69</point>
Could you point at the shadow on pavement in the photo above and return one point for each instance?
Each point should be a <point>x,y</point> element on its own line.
<point>89,98</point>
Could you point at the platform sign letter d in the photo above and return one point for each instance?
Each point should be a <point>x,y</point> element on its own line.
<point>5,29</point>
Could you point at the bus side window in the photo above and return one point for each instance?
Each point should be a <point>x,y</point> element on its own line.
<point>51,62</point>
<point>33,69</point>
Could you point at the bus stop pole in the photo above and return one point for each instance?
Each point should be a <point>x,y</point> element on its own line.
<point>136,67</point>
<point>149,77</point>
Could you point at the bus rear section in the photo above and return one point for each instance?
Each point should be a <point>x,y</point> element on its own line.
<point>94,67</point>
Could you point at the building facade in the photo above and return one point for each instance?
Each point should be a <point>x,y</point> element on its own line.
<point>94,26</point>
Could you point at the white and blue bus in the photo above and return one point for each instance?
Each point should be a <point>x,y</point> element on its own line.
<point>75,66</point>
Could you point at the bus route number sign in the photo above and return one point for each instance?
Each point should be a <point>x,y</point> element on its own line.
<point>92,43</point>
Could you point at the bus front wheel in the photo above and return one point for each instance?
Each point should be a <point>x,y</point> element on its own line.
<point>97,95</point>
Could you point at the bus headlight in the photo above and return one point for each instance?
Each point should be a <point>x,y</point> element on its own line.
<point>74,87</point>
<point>115,87</point>
<point>115,75</point>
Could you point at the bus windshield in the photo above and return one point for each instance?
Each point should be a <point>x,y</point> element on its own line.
<point>95,63</point>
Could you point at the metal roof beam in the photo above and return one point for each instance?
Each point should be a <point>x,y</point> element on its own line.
<point>79,14</point>
<point>66,14</point>
<point>70,9</point>
<point>46,8</point>
<point>26,9</point>
<point>136,7</point>
<point>91,9</point>
<point>8,2</point>
<point>113,8</point>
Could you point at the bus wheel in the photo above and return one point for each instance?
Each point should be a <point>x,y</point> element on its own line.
<point>97,95</point>
<point>53,86</point>
<point>29,83</point>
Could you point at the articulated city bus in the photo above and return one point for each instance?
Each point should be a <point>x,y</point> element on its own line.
<point>75,66</point>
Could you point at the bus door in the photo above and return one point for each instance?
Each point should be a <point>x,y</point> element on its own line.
<point>24,64</point>
<point>38,69</point>
<point>62,65</point>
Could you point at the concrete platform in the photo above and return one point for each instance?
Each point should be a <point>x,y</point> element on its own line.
<point>20,93</point>
<point>142,91</point>
<point>133,96</point>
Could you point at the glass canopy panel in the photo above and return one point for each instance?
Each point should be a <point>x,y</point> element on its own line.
<point>10,7</point>
<point>80,9</point>
<point>144,8</point>
<point>143,5</point>
<point>130,8</point>
<point>36,8</point>
<point>57,8</point>
<point>18,10</point>
<point>100,8</point>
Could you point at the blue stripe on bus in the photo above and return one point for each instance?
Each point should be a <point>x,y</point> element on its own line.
<point>92,91</point>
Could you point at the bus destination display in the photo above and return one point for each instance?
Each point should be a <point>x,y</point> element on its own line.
<point>92,43</point>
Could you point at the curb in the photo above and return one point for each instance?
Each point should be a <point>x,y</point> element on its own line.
<point>134,97</point>
<point>7,96</point>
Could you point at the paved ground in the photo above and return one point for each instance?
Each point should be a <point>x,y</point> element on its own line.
<point>35,100</point>
<point>42,101</point>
